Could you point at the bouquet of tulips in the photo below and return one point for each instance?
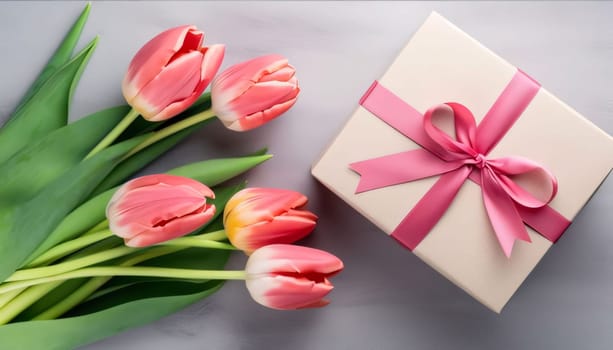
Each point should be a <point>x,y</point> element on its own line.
<point>85,254</point>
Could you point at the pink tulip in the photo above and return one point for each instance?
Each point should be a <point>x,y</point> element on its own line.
<point>170,72</point>
<point>254,92</point>
<point>288,277</point>
<point>156,208</point>
<point>255,217</point>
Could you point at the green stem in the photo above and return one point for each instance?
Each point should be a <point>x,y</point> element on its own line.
<point>45,271</point>
<point>114,134</point>
<point>197,242</point>
<point>68,247</point>
<point>24,300</point>
<point>18,299</point>
<point>213,236</point>
<point>200,241</point>
<point>87,289</point>
<point>129,271</point>
<point>171,129</point>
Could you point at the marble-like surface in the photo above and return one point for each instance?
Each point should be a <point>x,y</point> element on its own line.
<point>386,298</point>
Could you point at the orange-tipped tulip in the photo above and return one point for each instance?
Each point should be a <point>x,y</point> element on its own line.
<point>170,72</point>
<point>255,217</point>
<point>288,277</point>
<point>254,92</point>
<point>156,208</point>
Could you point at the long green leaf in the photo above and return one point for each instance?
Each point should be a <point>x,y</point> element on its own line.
<point>214,171</point>
<point>41,162</point>
<point>210,172</point>
<point>60,57</point>
<point>69,333</point>
<point>47,109</point>
<point>24,227</point>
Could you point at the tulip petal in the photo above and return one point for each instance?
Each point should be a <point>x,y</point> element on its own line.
<point>261,118</point>
<point>283,258</point>
<point>213,56</point>
<point>238,78</point>
<point>154,179</point>
<point>282,229</point>
<point>155,208</point>
<point>154,55</point>
<point>175,83</point>
<point>253,205</point>
<point>174,229</point>
<point>262,96</point>
<point>283,74</point>
<point>158,203</point>
<point>287,293</point>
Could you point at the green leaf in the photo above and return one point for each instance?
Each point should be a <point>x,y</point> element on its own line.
<point>24,227</point>
<point>61,56</point>
<point>47,108</point>
<point>210,172</point>
<point>69,333</point>
<point>36,165</point>
<point>214,171</point>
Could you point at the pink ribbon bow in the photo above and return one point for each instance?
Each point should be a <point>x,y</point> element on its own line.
<point>508,204</point>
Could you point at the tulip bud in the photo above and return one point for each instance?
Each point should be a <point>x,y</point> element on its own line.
<point>156,208</point>
<point>254,92</point>
<point>255,217</point>
<point>170,72</point>
<point>288,277</point>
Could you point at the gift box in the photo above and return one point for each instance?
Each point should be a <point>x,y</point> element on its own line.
<point>467,161</point>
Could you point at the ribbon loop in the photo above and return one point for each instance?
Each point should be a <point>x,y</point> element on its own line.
<point>508,203</point>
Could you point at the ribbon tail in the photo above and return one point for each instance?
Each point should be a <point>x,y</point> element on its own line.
<point>430,208</point>
<point>545,220</point>
<point>399,168</point>
<point>504,218</point>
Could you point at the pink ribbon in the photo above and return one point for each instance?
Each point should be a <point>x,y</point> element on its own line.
<point>508,204</point>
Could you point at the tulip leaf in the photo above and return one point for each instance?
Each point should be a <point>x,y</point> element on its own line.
<point>47,108</point>
<point>61,56</point>
<point>36,165</point>
<point>69,333</point>
<point>214,171</point>
<point>210,172</point>
<point>24,227</point>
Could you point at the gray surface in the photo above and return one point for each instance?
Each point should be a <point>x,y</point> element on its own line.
<point>386,298</point>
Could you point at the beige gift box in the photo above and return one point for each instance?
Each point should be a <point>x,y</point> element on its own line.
<point>441,63</point>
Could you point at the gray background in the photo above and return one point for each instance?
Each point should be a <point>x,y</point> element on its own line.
<point>386,298</point>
